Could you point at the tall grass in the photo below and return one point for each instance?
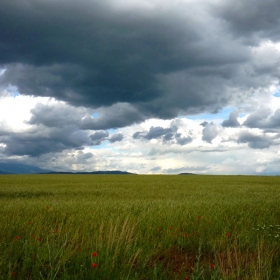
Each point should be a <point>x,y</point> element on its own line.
<point>139,227</point>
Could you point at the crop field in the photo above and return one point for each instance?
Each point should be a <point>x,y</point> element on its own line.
<point>139,227</point>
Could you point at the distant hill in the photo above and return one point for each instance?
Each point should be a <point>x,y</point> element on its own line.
<point>4,172</point>
<point>95,172</point>
<point>186,174</point>
<point>19,168</point>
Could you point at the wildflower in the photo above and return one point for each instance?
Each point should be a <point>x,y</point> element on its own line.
<point>228,234</point>
<point>94,265</point>
<point>199,217</point>
<point>18,237</point>
<point>187,278</point>
<point>39,239</point>
<point>94,254</point>
<point>170,227</point>
<point>48,207</point>
<point>13,274</point>
<point>30,223</point>
<point>212,265</point>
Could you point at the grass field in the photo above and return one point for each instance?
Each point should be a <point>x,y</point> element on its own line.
<point>139,227</point>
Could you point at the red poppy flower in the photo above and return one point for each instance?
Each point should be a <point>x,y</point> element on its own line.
<point>212,265</point>
<point>39,239</point>
<point>228,234</point>
<point>94,254</point>
<point>170,227</point>
<point>199,217</point>
<point>187,278</point>
<point>13,274</point>
<point>94,265</point>
<point>18,237</point>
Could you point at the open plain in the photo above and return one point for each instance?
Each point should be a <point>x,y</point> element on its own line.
<point>139,227</point>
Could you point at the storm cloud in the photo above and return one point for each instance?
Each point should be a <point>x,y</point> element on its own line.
<point>253,18</point>
<point>150,62</point>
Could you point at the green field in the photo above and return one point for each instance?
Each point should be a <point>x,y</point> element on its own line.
<point>139,227</point>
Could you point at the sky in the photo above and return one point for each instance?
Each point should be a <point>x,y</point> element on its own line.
<point>145,86</point>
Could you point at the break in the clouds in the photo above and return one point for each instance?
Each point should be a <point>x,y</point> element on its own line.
<point>140,81</point>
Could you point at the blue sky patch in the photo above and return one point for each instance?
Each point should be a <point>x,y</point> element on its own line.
<point>95,115</point>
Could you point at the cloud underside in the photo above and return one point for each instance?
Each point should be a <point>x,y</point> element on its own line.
<point>158,62</point>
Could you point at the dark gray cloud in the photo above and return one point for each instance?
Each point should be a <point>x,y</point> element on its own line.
<point>88,53</point>
<point>166,135</point>
<point>61,115</point>
<point>182,140</point>
<point>258,118</point>
<point>116,138</point>
<point>98,137</point>
<point>157,132</point>
<point>264,119</point>
<point>38,141</point>
<point>116,116</point>
<point>138,135</point>
<point>204,124</point>
<point>57,115</point>
<point>54,128</point>
<point>209,132</point>
<point>253,18</point>
<point>232,120</point>
<point>255,141</point>
<point>130,64</point>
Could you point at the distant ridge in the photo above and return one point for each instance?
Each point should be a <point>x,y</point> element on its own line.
<point>186,174</point>
<point>4,172</point>
<point>19,168</point>
<point>95,172</point>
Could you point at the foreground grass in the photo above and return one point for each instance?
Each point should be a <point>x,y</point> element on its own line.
<point>139,227</point>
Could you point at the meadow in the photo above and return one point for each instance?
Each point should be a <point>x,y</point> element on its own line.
<point>139,227</point>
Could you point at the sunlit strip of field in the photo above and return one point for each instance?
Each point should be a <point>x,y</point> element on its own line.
<point>139,227</point>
